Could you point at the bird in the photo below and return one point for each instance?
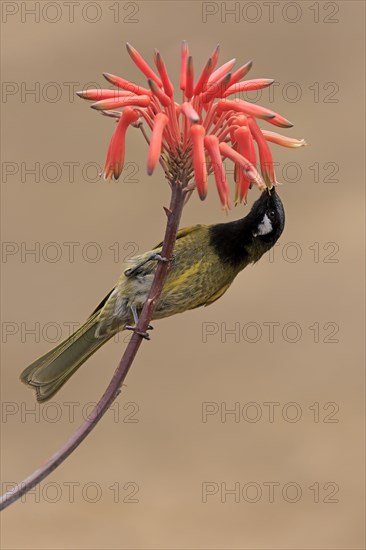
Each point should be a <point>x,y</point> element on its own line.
<point>206,260</point>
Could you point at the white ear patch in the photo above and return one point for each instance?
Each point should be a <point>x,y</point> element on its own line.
<point>264,227</point>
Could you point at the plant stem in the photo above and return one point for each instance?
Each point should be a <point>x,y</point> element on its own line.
<point>174,215</point>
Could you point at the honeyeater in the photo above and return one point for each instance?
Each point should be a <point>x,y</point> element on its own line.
<point>206,260</point>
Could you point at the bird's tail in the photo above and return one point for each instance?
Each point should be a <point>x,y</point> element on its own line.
<point>48,373</point>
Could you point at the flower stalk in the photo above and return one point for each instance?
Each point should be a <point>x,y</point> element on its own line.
<point>173,213</point>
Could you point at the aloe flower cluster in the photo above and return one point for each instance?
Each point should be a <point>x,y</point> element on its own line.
<point>197,134</point>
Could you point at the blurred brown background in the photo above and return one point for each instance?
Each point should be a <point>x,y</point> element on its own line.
<point>158,470</point>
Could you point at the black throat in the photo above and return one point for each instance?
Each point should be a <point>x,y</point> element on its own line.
<point>233,241</point>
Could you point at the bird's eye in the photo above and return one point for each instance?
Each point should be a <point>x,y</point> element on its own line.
<point>271,214</point>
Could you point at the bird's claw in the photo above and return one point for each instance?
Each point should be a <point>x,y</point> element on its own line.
<point>154,257</point>
<point>161,258</point>
<point>144,335</point>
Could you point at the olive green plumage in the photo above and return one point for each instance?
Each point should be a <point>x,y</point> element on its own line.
<point>195,278</point>
<point>206,261</point>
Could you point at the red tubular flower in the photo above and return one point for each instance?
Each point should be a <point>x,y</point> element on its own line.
<point>283,140</point>
<point>216,89</point>
<point>221,71</point>
<point>215,56</point>
<point>240,73</point>
<point>161,121</point>
<point>203,79</point>
<point>241,106</point>
<point>248,85</point>
<point>162,97</point>
<point>126,85</point>
<point>183,65</point>
<point>245,146</point>
<point>160,65</point>
<point>189,112</point>
<point>198,133</point>
<point>192,137</point>
<point>265,154</point>
<point>245,143</point>
<point>213,148</point>
<point>280,121</point>
<point>189,78</point>
<point>116,151</point>
<point>242,185</point>
<point>98,94</point>
<point>142,65</point>
<point>116,102</point>
<point>249,169</point>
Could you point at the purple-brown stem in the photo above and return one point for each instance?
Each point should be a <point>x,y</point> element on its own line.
<point>173,219</point>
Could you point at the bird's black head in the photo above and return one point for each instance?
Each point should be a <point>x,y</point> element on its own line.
<point>245,241</point>
<point>266,219</point>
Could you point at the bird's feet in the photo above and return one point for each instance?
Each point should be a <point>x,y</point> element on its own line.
<point>144,335</point>
<point>154,257</point>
